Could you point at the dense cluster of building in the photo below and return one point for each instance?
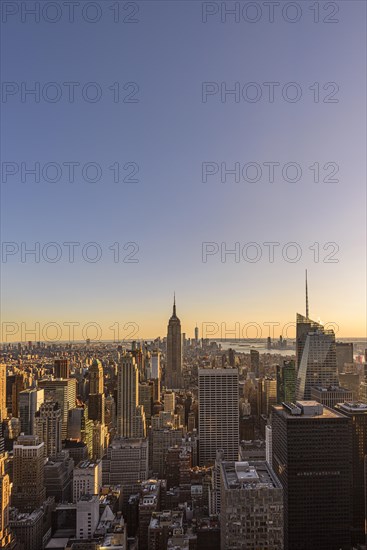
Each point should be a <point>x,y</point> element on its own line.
<point>178,444</point>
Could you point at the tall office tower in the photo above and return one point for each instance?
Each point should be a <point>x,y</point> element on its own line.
<point>286,382</point>
<point>87,479</point>
<point>146,391</point>
<point>95,373</point>
<point>330,396</point>
<point>59,477</point>
<point>80,427</point>
<point>251,508</point>
<point>96,401</point>
<point>28,473</point>
<point>87,516</point>
<point>169,401</point>
<point>63,392</point>
<point>155,360</point>
<point>344,355</point>
<point>269,394</point>
<point>61,368</point>
<point>174,352</point>
<point>357,414</point>
<point>18,385</point>
<point>196,335</point>
<point>160,440</point>
<point>312,459</point>
<point>30,401</point>
<point>316,357</point>
<point>96,407</point>
<point>269,444</point>
<point>363,387</point>
<point>3,410</point>
<point>48,424</point>
<point>218,414</point>
<point>126,463</point>
<point>255,362</point>
<point>6,538</point>
<point>231,357</point>
<point>130,415</point>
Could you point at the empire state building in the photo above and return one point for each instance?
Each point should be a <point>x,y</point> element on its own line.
<point>174,352</point>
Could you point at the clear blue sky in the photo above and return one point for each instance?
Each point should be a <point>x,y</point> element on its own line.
<point>169,133</point>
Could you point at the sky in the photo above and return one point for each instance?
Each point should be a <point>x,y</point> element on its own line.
<point>136,92</point>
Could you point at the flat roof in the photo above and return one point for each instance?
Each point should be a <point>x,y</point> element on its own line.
<point>248,475</point>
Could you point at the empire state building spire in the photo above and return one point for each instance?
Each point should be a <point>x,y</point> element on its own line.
<point>174,351</point>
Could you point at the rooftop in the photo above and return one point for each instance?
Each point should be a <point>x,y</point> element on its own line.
<point>306,410</point>
<point>248,475</point>
<point>353,407</point>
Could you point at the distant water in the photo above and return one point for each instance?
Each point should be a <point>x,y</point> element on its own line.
<point>246,346</point>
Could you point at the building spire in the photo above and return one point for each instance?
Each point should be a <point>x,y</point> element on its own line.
<point>174,304</point>
<point>306,297</point>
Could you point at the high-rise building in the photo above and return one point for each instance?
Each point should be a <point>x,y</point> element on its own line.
<point>59,477</point>
<point>48,424</point>
<point>312,459</point>
<point>251,506</point>
<point>87,516</point>
<point>87,479</point>
<point>6,538</point>
<point>331,395</point>
<point>30,401</point>
<point>316,357</point>
<point>255,362</point>
<point>3,410</point>
<point>95,373</point>
<point>126,463</point>
<point>344,355</point>
<point>174,352</point>
<point>357,414</point>
<point>269,394</point>
<point>196,334</point>
<point>169,401</point>
<point>130,415</point>
<point>218,414</point>
<point>28,473</point>
<point>63,392</point>
<point>61,368</point>
<point>286,382</point>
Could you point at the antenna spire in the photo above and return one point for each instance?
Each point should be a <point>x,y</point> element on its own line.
<point>307,312</point>
<point>174,303</point>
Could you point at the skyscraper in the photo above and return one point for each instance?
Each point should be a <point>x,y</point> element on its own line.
<point>48,424</point>
<point>30,401</point>
<point>344,355</point>
<point>130,415</point>
<point>286,381</point>
<point>61,368</point>
<point>63,392</point>
<point>251,506</point>
<point>357,413</point>
<point>218,414</point>
<point>6,539</point>
<point>28,473</point>
<point>174,352</point>
<point>315,355</point>
<point>3,411</point>
<point>96,403</point>
<point>95,373</point>
<point>312,459</point>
